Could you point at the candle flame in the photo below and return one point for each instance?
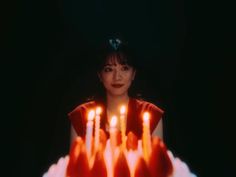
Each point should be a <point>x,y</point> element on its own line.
<point>113,121</point>
<point>91,115</point>
<point>98,110</point>
<point>122,109</point>
<point>146,117</point>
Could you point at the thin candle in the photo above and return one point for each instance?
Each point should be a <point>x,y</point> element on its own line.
<point>146,136</point>
<point>113,131</point>
<point>113,138</point>
<point>89,132</point>
<point>122,124</point>
<point>97,127</point>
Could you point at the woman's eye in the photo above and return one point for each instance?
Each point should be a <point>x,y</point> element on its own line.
<point>125,68</point>
<point>107,69</point>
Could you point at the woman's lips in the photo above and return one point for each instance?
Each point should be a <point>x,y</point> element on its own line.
<point>117,85</point>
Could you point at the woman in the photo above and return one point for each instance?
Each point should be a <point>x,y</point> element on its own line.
<point>116,72</point>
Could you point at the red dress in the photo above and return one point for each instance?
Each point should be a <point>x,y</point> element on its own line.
<point>136,108</point>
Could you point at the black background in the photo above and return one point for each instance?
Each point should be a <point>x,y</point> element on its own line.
<point>188,53</point>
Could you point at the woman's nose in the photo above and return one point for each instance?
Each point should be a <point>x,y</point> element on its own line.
<point>117,75</point>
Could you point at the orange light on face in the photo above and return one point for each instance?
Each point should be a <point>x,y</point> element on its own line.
<point>91,115</point>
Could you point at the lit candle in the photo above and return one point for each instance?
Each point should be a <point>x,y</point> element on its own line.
<point>146,136</point>
<point>97,127</point>
<point>113,131</point>
<point>89,132</point>
<point>113,137</point>
<point>122,124</point>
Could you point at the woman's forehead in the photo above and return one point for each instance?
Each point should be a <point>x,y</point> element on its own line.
<point>115,64</point>
<point>115,60</point>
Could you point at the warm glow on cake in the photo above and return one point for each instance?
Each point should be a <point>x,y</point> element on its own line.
<point>97,156</point>
<point>118,162</point>
<point>128,163</point>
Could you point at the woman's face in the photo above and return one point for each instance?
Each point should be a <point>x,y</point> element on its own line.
<point>117,78</point>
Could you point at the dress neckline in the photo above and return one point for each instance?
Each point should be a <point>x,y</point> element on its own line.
<point>104,121</point>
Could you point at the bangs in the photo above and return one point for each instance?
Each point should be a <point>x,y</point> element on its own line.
<point>116,58</point>
<point>121,54</point>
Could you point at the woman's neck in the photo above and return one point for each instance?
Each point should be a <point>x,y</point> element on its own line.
<point>114,102</point>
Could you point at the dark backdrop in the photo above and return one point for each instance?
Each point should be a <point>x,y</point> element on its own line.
<point>187,50</point>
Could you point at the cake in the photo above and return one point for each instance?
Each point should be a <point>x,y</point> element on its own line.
<point>119,161</point>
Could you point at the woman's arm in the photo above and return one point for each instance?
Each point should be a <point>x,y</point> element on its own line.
<point>158,131</point>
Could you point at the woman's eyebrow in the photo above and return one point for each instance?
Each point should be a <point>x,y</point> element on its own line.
<point>108,64</point>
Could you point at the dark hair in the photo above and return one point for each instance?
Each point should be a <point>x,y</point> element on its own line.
<point>123,53</point>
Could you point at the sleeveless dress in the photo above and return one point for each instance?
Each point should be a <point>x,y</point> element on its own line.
<point>136,108</point>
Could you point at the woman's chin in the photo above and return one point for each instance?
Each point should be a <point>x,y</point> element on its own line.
<point>118,93</point>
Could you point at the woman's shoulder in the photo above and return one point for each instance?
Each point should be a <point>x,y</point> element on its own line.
<point>83,107</point>
<point>143,104</point>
